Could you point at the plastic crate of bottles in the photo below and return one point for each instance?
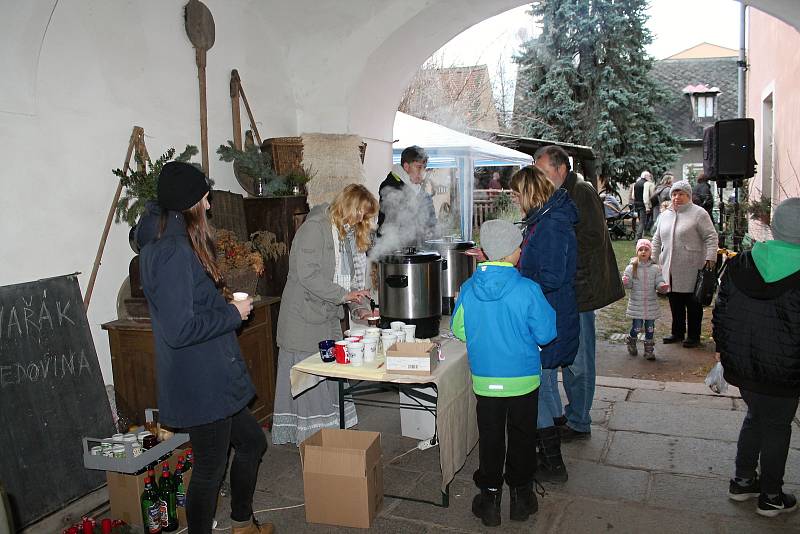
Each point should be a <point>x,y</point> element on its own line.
<point>128,456</point>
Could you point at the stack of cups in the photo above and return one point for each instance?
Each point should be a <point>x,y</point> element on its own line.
<point>387,340</point>
<point>370,347</point>
<point>373,331</point>
<point>356,353</point>
<point>357,332</point>
<point>409,332</point>
<point>397,326</point>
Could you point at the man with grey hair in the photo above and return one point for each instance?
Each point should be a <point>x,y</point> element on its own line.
<point>407,216</point>
<point>597,284</point>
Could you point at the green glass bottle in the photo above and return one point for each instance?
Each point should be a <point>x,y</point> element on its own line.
<point>180,487</point>
<point>151,510</point>
<point>166,493</point>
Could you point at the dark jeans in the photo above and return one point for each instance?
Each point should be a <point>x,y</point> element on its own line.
<point>642,221</point>
<point>684,309</point>
<point>765,434</point>
<point>649,326</point>
<point>519,415</point>
<point>210,444</point>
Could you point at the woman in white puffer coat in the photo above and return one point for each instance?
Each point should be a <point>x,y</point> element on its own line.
<point>643,278</point>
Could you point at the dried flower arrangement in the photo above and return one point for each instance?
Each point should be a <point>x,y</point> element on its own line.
<point>233,254</point>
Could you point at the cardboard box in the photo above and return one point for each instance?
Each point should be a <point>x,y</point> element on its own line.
<point>417,424</point>
<point>342,477</point>
<point>412,358</point>
<point>125,492</point>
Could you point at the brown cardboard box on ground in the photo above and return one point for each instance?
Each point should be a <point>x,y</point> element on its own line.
<point>342,477</point>
<point>412,358</point>
<point>125,492</point>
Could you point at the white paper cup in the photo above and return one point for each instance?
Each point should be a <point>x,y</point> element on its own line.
<point>387,331</point>
<point>370,348</point>
<point>356,352</point>
<point>240,295</point>
<point>410,331</point>
<point>397,326</point>
<point>357,332</point>
<point>387,340</point>
<point>373,331</point>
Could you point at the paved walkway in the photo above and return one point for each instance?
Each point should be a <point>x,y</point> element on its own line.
<point>658,461</point>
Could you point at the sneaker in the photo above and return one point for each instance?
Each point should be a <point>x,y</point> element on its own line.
<point>781,504</point>
<point>740,493</point>
<point>567,433</point>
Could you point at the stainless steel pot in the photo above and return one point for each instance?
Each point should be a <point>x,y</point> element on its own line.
<point>410,289</point>
<point>456,268</point>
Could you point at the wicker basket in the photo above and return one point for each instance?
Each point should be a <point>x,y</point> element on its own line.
<point>243,279</point>
<point>286,152</point>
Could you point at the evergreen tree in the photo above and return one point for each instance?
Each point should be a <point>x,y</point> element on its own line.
<point>585,80</point>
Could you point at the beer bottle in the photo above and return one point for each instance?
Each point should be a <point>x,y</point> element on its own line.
<point>151,511</point>
<point>151,474</point>
<point>189,459</point>
<point>180,487</point>
<point>166,491</point>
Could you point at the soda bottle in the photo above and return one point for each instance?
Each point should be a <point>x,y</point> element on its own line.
<point>151,511</point>
<point>180,487</point>
<point>151,474</point>
<point>166,493</point>
<point>189,459</point>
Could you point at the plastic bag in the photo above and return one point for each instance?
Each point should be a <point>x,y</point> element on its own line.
<point>715,381</point>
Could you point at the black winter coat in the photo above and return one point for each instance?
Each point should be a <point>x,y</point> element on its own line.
<point>202,377</point>
<point>756,327</point>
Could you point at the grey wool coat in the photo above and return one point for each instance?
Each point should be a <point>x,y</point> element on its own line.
<point>642,298</point>
<point>311,304</point>
<point>683,241</point>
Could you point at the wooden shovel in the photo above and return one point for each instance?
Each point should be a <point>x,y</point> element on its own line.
<point>200,29</point>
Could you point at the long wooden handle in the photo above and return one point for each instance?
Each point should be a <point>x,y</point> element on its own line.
<point>200,57</point>
<point>250,115</point>
<point>237,119</point>
<point>138,133</point>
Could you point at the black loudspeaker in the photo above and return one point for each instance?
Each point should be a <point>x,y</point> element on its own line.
<point>710,152</point>
<point>731,149</point>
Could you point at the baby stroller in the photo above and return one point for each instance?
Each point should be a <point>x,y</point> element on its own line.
<point>616,217</point>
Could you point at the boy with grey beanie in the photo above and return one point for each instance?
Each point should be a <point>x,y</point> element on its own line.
<point>757,330</point>
<point>504,319</point>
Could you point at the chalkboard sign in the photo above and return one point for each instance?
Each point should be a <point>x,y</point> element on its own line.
<point>51,395</point>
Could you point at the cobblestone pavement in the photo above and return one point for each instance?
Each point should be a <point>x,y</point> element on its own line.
<point>658,460</point>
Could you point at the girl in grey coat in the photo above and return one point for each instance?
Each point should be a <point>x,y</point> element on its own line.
<point>643,278</point>
<point>327,269</point>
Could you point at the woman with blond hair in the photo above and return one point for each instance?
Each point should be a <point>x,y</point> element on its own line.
<point>549,258</point>
<point>327,273</point>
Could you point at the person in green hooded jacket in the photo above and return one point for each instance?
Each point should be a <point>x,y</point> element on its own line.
<point>756,326</point>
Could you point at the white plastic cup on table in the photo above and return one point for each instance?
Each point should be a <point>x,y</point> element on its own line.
<point>353,339</point>
<point>410,331</point>
<point>357,332</point>
<point>373,331</point>
<point>240,295</point>
<point>356,352</point>
<point>387,331</point>
<point>387,340</point>
<point>397,326</point>
<point>370,348</point>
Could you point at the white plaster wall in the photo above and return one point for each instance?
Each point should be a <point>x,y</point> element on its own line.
<point>79,74</point>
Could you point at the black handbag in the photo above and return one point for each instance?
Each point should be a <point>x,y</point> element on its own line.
<point>705,286</point>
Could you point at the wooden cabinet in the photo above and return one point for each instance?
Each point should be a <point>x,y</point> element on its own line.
<point>282,216</point>
<point>133,360</point>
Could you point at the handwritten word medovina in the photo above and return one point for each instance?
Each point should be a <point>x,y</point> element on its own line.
<point>29,318</point>
<point>51,366</point>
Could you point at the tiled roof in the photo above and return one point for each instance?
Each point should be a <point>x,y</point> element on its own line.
<point>676,74</point>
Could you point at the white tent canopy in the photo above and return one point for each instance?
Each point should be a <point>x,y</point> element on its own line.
<point>449,149</point>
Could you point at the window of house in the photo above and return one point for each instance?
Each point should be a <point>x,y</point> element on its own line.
<point>705,105</point>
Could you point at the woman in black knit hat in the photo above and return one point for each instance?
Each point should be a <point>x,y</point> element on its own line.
<point>203,384</point>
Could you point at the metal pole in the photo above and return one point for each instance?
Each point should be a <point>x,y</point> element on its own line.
<point>740,112</point>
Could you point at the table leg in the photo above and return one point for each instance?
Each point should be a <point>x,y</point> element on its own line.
<point>341,403</point>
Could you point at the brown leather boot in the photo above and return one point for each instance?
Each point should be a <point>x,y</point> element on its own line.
<point>254,528</point>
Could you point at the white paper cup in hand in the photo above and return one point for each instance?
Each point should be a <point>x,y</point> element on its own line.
<point>240,295</point>
<point>370,348</point>
<point>397,326</point>
<point>410,331</point>
<point>356,352</point>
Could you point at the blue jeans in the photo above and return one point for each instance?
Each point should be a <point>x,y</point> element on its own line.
<point>580,376</point>
<point>649,328</point>
<point>549,399</point>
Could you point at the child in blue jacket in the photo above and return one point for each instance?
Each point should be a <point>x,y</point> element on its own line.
<point>504,318</point>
